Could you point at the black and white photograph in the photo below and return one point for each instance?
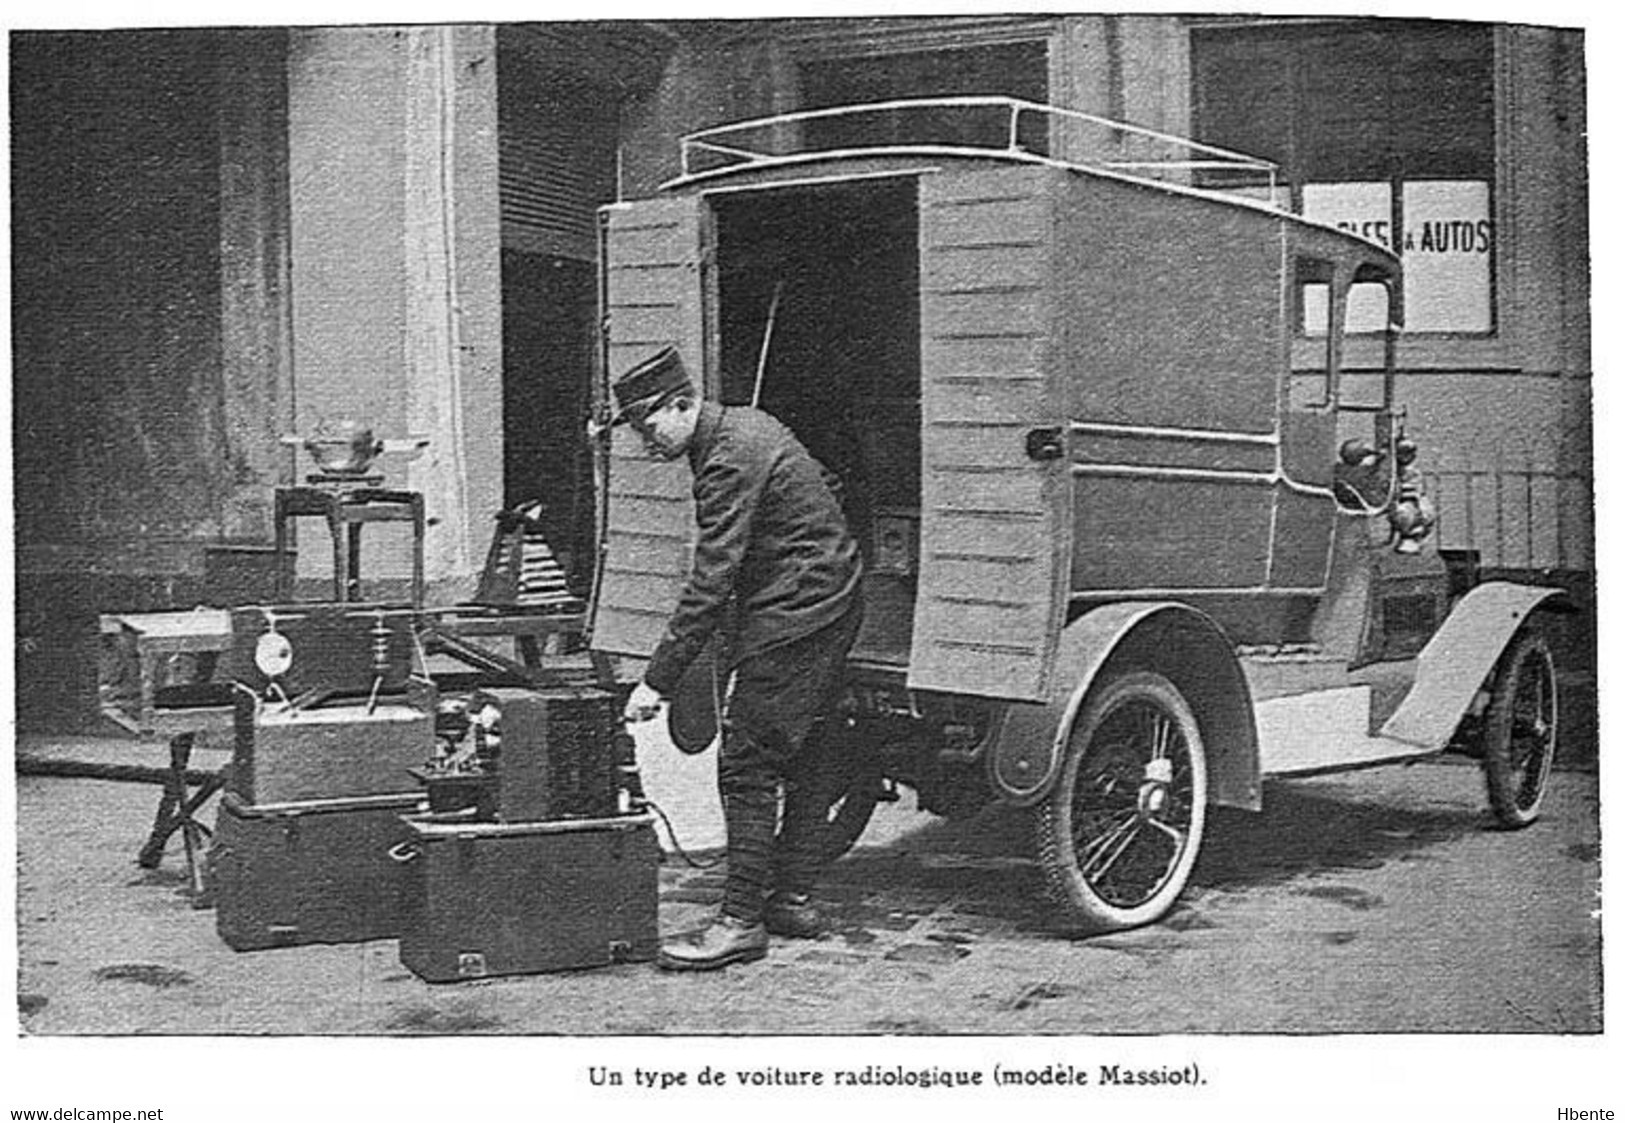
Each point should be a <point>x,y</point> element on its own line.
<point>725,561</point>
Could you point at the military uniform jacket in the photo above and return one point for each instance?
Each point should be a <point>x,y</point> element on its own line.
<point>772,540</point>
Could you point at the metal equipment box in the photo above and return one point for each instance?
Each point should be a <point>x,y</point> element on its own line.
<point>334,751</point>
<point>517,899</point>
<point>314,872</point>
<point>558,754</point>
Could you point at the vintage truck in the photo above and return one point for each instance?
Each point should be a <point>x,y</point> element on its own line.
<point>1119,436</point>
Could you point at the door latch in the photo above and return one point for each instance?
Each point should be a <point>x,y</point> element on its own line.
<point>1045,443</point>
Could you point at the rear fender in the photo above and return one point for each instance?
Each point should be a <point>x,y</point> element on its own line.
<point>1459,658</point>
<point>1173,639</point>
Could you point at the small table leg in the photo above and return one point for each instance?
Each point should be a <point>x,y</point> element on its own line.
<point>164,824</point>
<point>177,811</point>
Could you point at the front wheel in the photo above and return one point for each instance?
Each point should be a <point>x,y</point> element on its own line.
<point>1520,731</point>
<point>1118,836</point>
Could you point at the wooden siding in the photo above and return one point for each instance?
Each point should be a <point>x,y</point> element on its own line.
<point>995,533</point>
<point>653,286</point>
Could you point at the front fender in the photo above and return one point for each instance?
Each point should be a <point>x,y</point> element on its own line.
<point>1173,639</point>
<point>1460,656</point>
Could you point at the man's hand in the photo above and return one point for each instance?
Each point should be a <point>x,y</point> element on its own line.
<point>644,703</point>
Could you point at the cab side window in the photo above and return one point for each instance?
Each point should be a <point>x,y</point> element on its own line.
<point>1361,387</point>
<point>1312,386</point>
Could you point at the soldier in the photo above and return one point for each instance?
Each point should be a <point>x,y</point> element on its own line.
<point>777,573</point>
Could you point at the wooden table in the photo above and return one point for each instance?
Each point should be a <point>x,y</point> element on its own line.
<point>177,712</point>
<point>346,510</point>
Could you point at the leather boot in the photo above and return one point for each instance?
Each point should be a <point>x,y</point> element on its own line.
<point>725,940</point>
<point>792,915</point>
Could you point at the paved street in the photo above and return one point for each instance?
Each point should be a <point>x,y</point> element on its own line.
<point>1369,902</point>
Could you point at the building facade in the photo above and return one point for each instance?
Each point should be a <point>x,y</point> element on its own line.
<point>223,237</point>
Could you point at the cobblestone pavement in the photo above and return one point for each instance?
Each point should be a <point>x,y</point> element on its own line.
<point>1370,902</point>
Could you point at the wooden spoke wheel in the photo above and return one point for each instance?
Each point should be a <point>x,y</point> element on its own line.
<point>1118,836</point>
<point>1520,731</point>
<point>852,786</point>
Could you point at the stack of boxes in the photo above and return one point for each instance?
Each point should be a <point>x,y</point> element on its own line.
<point>326,835</point>
<point>328,720</point>
<point>563,876</point>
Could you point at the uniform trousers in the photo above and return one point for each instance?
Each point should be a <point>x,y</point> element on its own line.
<point>778,696</point>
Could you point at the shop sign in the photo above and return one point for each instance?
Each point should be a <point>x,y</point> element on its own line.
<point>1448,248</point>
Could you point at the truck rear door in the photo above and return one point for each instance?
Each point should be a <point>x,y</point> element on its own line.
<point>995,521</point>
<point>653,296</point>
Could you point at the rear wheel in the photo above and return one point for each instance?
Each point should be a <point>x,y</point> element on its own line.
<point>852,785</point>
<point>1118,836</point>
<point>1520,731</point>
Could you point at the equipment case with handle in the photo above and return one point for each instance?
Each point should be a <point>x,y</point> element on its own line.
<point>311,872</point>
<point>524,898</point>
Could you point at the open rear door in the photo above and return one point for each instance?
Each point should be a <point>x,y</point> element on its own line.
<point>995,521</point>
<point>653,293</point>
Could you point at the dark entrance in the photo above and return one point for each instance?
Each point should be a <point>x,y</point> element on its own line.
<point>547,347</point>
<point>557,130</point>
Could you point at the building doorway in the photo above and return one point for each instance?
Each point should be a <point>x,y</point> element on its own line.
<point>558,131</point>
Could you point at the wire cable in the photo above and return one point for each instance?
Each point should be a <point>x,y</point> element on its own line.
<point>678,846</point>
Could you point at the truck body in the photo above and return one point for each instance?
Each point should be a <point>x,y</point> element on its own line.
<point>1086,389</point>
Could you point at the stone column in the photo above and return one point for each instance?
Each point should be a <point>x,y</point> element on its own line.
<point>396,273</point>
<point>256,347</point>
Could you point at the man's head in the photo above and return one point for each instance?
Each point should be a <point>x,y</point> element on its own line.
<point>657,399</point>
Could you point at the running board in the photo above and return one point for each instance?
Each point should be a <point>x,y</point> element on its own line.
<point>1324,731</point>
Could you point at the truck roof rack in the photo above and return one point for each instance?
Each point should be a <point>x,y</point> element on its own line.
<point>980,126</point>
